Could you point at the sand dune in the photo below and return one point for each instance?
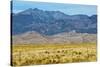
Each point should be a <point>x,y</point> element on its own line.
<point>71,37</point>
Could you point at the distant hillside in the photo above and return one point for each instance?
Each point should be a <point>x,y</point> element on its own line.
<point>71,37</point>
<point>52,22</point>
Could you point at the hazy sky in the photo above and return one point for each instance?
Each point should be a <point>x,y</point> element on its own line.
<point>70,9</point>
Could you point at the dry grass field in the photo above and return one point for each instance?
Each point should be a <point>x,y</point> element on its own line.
<point>34,54</point>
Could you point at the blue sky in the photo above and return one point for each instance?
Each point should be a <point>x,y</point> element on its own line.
<point>70,9</point>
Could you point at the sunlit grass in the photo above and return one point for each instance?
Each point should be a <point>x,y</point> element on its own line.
<point>33,54</point>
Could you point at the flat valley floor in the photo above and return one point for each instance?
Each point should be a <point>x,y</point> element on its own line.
<point>36,54</point>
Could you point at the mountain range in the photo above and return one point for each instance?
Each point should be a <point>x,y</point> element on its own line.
<point>52,22</point>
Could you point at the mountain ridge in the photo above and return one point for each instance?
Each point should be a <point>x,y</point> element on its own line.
<point>52,22</point>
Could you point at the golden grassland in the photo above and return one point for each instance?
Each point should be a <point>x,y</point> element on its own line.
<point>33,54</point>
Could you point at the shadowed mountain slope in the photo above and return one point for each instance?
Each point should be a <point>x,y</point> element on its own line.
<point>52,22</point>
